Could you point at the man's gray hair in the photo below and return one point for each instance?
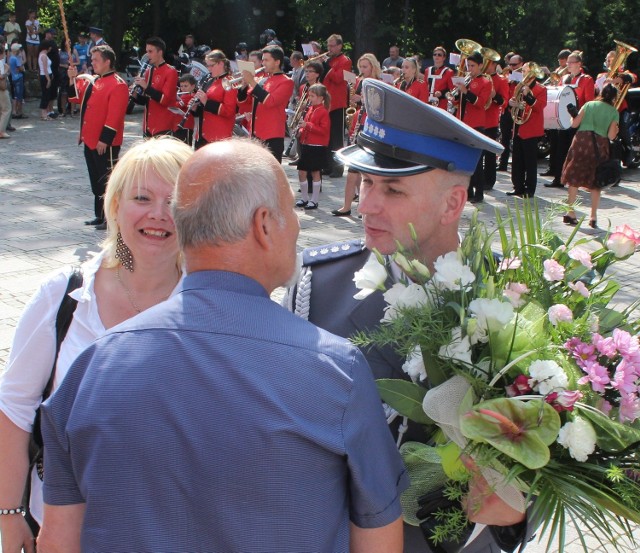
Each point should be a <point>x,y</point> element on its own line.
<point>223,214</point>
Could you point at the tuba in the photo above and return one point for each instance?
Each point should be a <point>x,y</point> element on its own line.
<point>521,112</point>
<point>488,55</point>
<point>623,51</point>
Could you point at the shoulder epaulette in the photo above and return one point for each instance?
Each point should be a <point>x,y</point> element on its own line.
<point>331,252</point>
<point>119,79</point>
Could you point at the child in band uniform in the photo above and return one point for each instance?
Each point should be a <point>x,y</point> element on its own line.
<point>314,141</point>
<point>188,85</point>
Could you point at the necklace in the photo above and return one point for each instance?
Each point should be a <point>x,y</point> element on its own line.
<point>127,291</point>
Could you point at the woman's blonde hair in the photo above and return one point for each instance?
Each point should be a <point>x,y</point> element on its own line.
<point>163,156</point>
<point>377,70</point>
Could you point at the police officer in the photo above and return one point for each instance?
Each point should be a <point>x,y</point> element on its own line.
<point>407,177</point>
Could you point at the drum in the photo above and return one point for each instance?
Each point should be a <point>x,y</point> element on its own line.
<point>555,112</point>
<point>199,71</point>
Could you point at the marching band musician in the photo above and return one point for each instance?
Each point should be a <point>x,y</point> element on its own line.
<point>104,104</point>
<point>514,64</point>
<point>524,163</point>
<point>312,75</point>
<point>218,101</point>
<point>314,132</point>
<point>333,79</point>
<point>183,129</point>
<point>584,88</point>
<point>562,68</point>
<point>410,81</point>
<point>159,85</point>
<point>623,78</point>
<point>473,99</point>
<point>499,99</point>
<point>438,78</point>
<point>369,68</point>
<point>268,100</point>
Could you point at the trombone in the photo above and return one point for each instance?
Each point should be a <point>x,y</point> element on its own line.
<point>236,82</point>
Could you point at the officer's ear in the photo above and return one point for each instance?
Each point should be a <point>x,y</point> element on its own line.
<point>454,200</point>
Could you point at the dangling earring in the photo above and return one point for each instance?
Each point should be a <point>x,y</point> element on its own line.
<point>123,254</point>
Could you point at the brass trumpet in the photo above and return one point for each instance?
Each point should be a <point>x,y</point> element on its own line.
<point>555,78</point>
<point>317,57</point>
<point>623,51</point>
<point>519,112</point>
<point>236,82</point>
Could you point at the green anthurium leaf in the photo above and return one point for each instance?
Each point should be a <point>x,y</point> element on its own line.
<point>451,463</point>
<point>611,436</point>
<point>405,397</point>
<point>521,430</point>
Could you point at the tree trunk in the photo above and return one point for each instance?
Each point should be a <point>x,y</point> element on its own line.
<point>119,22</point>
<point>364,29</point>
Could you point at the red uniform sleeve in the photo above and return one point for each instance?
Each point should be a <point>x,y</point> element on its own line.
<point>335,75</point>
<point>116,111</point>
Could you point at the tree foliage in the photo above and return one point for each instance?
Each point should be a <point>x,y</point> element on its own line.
<point>534,28</point>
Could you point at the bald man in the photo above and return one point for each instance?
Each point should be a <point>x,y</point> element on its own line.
<point>218,421</point>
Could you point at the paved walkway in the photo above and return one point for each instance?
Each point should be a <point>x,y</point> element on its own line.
<point>45,197</point>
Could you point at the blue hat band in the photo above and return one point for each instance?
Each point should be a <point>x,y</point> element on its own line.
<point>465,158</point>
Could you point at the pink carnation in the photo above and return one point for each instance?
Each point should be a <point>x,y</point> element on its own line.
<point>509,263</point>
<point>623,241</point>
<point>553,271</point>
<point>597,376</point>
<point>629,408</point>
<point>559,313</point>
<point>582,255</point>
<point>605,346</point>
<point>624,379</point>
<point>625,343</point>
<point>579,287</point>
<point>513,291</point>
<point>563,401</point>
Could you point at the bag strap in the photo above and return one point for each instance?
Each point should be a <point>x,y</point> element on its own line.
<point>63,321</point>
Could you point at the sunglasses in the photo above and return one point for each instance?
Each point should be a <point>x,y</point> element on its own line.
<point>438,55</point>
<point>514,64</point>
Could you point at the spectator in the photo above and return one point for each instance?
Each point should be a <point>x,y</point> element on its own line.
<point>12,29</point>
<point>394,59</point>
<point>32,26</point>
<point>46,80</point>
<point>5,97</point>
<point>17,78</point>
<point>81,52</point>
<point>54,56</point>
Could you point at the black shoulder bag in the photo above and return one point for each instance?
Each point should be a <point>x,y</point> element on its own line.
<point>608,172</point>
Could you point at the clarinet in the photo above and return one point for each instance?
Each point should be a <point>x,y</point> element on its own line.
<point>137,89</point>
<point>206,83</point>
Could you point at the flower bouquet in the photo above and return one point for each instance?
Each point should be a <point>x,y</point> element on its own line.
<point>523,367</point>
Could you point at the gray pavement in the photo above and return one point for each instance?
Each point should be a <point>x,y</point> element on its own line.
<point>45,197</point>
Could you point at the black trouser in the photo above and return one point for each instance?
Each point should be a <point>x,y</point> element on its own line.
<point>475,191</point>
<point>99,167</point>
<point>564,141</point>
<point>524,165</point>
<point>489,161</point>
<point>552,134</point>
<point>336,138</point>
<point>276,147</point>
<point>506,132</point>
<point>186,135</point>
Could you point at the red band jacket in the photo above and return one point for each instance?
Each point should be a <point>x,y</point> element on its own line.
<point>157,98</point>
<point>267,101</point>
<point>498,102</point>
<point>334,81</point>
<point>416,88</point>
<point>439,80</point>
<point>536,101</point>
<point>182,103</point>
<point>104,105</point>
<point>318,126</point>
<point>584,87</point>
<point>218,115</point>
<point>474,102</point>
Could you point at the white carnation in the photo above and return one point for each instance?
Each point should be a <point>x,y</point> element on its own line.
<point>547,377</point>
<point>459,349</point>
<point>404,295</point>
<point>490,316</point>
<point>579,438</point>
<point>414,365</point>
<point>370,278</point>
<point>451,274</point>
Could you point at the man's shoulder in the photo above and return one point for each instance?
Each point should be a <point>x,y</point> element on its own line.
<point>332,253</point>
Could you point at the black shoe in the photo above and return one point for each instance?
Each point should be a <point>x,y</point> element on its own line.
<point>311,205</point>
<point>515,193</point>
<point>476,200</point>
<point>293,163</point>
<point>94,222</point>
<point>547,173</point>
<point>101,226</point>
<point>553,184</point>
<point>53,115</point>
<point>593,223</point>
<point>339,213</point>
<point>301,203</point>
<point>502,168</point>
<point>568,220</point>
<point>488,187</point>
<point>10,128</point>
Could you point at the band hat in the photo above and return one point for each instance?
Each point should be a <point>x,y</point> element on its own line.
<point>402,136</point>
<point>96,30</point>
<point>16,46</point>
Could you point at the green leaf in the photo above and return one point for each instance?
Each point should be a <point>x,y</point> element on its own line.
<point>405,397</point>
<point>452,465</point>
<point>521,430</point>
<point>611,436</point>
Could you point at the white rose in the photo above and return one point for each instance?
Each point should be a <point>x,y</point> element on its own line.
<point>459,349</point>
<point>391,296</point>
<point>491,315</point>
<point>401,295</point>
<point>547,376</point>
<point>370,278</point>
<point>451,274</point>
<point>579,438</point>
<point>414,365</point>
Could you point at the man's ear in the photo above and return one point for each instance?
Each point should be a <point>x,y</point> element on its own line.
<point>262,227</point>
<point>454,201</point>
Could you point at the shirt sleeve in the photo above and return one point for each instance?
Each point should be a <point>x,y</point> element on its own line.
<point>377,475</point>
<point>32,354</point>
